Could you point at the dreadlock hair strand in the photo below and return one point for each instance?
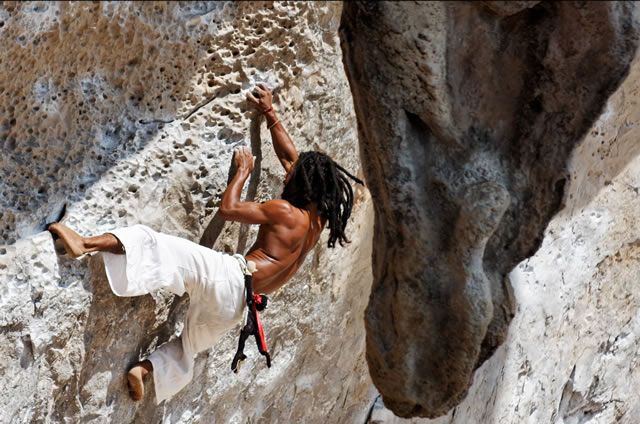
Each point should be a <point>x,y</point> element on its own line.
<point>317,178</point>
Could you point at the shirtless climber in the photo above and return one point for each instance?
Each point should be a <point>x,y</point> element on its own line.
<point>139,260</point>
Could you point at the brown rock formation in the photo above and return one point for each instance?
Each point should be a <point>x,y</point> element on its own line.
<point>468,113</point>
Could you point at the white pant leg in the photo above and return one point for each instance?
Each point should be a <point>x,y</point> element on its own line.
<point>173,362</point>
<point>172,368</point>
<point>213,280</point>
<point>148,264</point>
<point>215,285</point>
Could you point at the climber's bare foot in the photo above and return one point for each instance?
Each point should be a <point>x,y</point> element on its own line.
<point>73,242</point>
<point>135,383</point>
<point>135,379</point>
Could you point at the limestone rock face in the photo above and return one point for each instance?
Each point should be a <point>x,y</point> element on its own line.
<point>467,114</point>
<point>572,350</point>
<point>129,112</point>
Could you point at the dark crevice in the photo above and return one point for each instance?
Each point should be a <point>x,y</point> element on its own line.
<point>373,406</point>
<point>155,121</point>
<point>197,108</point>
<point>27,354</point>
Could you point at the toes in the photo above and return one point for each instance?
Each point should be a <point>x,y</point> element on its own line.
<point>135,385</point>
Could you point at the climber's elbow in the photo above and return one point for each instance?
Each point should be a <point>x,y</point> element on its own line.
<point>225,213</point>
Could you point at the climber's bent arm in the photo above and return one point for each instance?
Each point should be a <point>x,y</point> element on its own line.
<point>233,209</point>
<point>275,211</point>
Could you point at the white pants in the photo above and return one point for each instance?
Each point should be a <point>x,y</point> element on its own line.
<point>213,280</point>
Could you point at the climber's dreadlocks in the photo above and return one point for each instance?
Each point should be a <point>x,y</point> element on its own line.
<point>317,178</point>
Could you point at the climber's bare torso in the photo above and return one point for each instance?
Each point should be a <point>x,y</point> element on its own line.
<point>281,247</point>
<point>286,234</point>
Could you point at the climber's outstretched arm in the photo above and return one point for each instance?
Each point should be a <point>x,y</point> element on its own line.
<point>282,143</point>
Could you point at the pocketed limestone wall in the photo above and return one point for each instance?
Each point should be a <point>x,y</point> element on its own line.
<point>128,112</point>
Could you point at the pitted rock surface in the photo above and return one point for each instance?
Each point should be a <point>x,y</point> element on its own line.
<point>468,114</point>
<point>128,112</point>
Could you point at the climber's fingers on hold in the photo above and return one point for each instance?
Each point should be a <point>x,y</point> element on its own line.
<point>243,157</point>
<point>237,157</point>
<point>262,86</point>
<point>252,98</point>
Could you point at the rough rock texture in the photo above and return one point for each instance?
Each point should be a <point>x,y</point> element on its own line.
<point>129,113</point>
<point>468,114</point>
<point>572,351</point>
